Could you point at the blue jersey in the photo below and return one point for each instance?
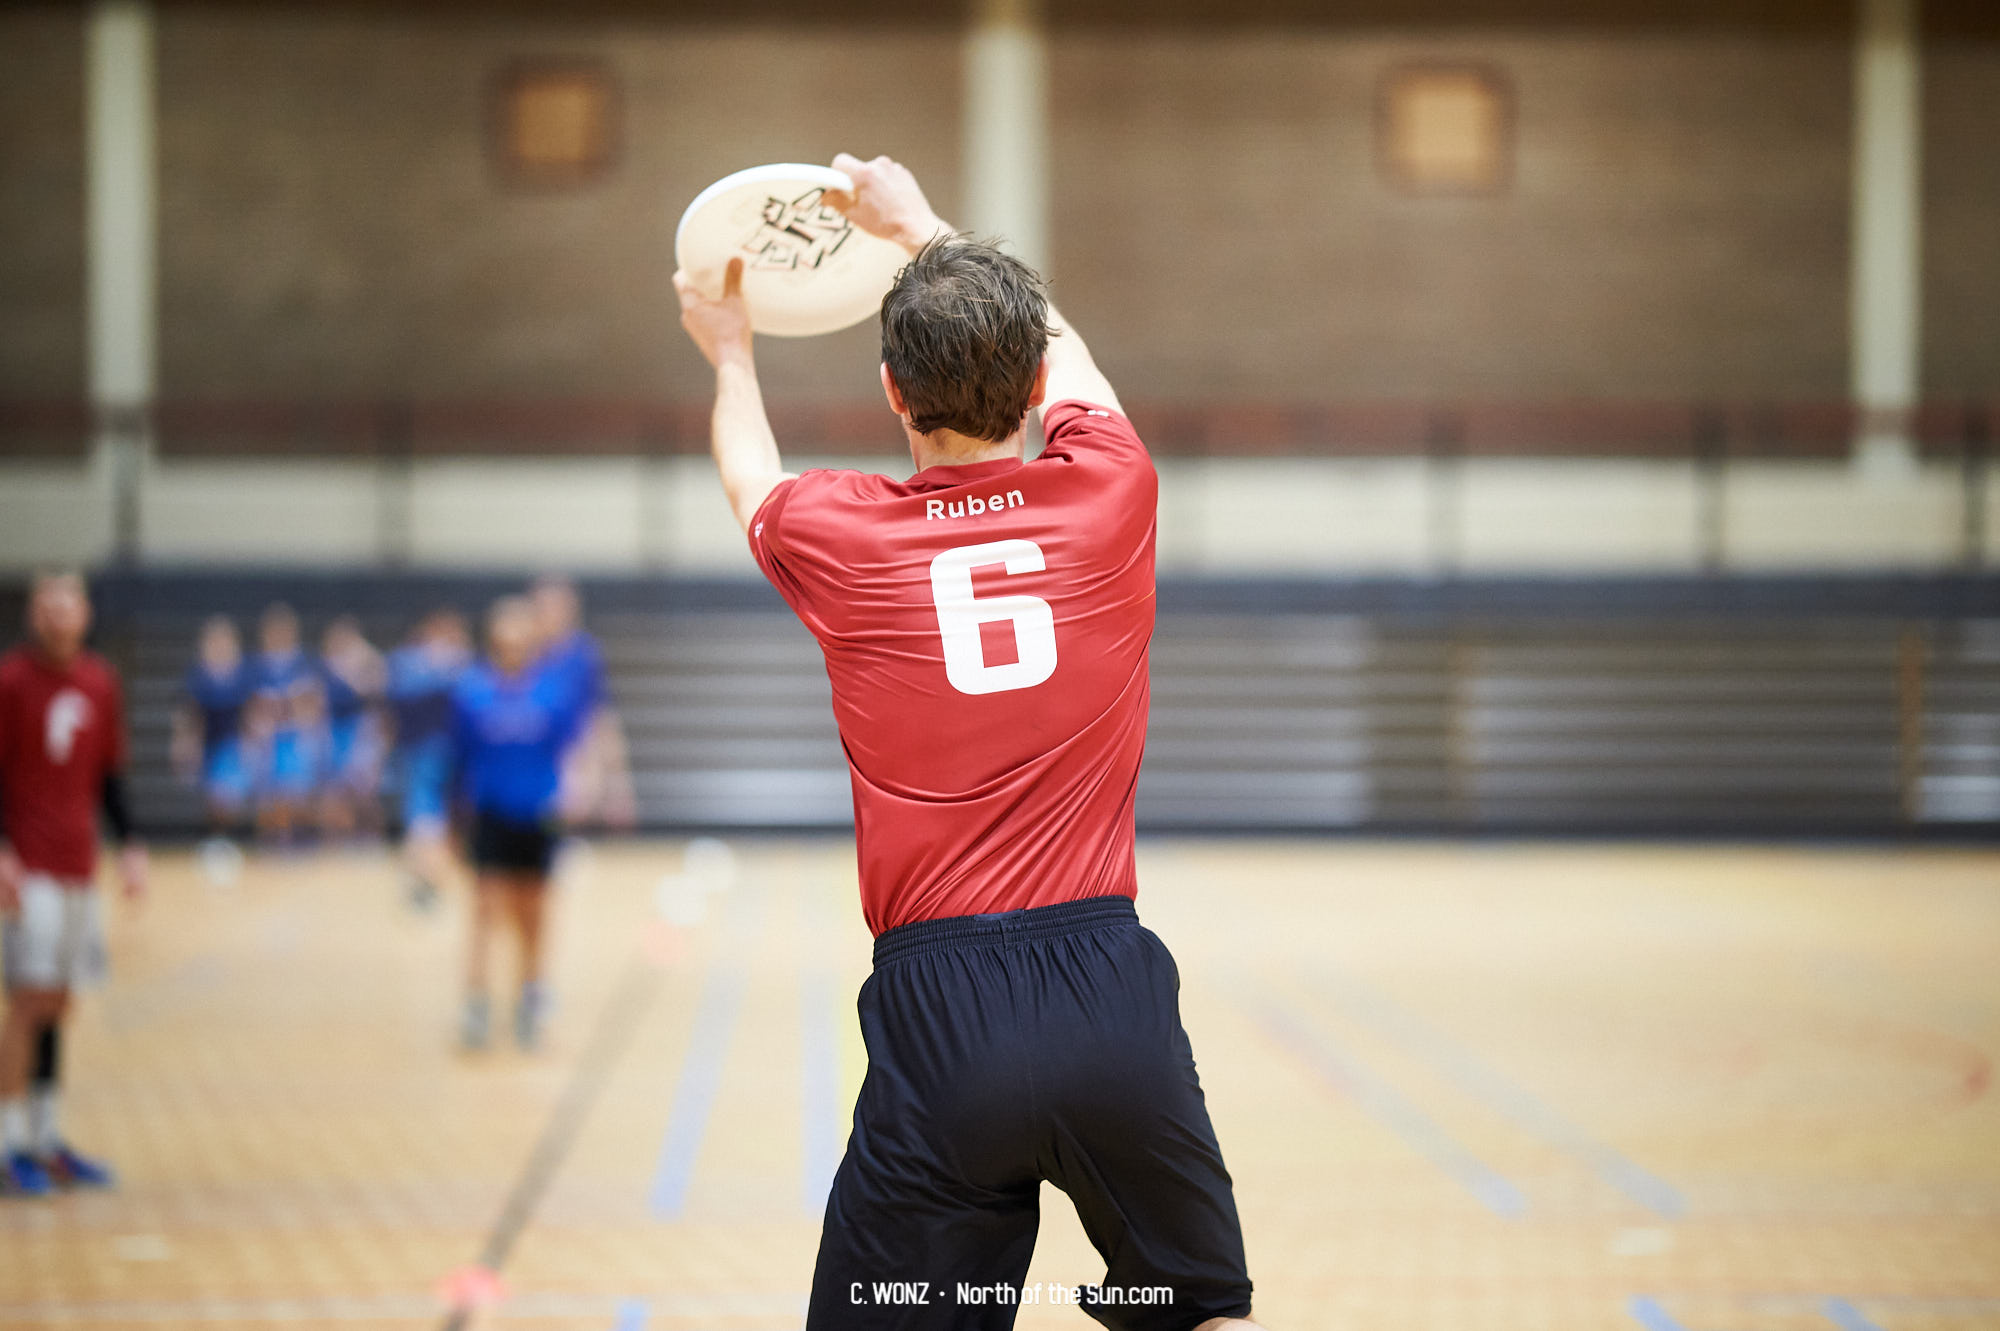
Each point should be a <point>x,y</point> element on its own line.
<point>579,663</point>
<point>509,735</point>
<point>344,702</point>
<point>419,690</point>
<point>220,699</point>
<point>281,676</point>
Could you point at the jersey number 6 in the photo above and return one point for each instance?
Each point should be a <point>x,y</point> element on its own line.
<point>960,614</point>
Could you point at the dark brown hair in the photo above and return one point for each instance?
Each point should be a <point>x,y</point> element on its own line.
<point>963,333</point>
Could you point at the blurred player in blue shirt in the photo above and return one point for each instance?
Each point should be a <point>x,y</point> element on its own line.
<point>597,779</point>
<point>352,673</point>
<point>208,730</point>
<point>287,724</point>
<point>514,720</point>
<point>421,676</point>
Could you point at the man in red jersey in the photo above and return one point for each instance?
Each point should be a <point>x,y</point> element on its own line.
<point>985,626</point>
<point>62,757</point>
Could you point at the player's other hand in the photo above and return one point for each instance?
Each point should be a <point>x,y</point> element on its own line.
<point>886,202</point>
<point>719,325</point>
<point>10,881</point>
<point>134,869</point>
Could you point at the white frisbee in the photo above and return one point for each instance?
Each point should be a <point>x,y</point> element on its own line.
<point>806,268</point>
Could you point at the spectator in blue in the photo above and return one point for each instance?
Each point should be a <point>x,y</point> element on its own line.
<point>513,722</point>
<point>597,778</point>
<point>351,673</point>
<point>287,725</point>
<point>207,739</point>
<point>421,676</point>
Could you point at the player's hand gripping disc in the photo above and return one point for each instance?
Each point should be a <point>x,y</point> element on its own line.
<point>806,268</point>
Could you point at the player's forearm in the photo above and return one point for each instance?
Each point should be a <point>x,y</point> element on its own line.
<point>745,450</point>
<point>914,233</point>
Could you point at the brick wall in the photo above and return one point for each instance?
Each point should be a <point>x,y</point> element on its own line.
<point>1961,348</point>
<point>41,201</point>
<point>332,222</point>
<point>1676,224</point>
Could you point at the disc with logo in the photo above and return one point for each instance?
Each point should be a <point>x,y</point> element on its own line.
<point>806,268</point>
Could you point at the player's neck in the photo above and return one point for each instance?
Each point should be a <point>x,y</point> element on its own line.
<point>948,448</point>
<point>61,656</point>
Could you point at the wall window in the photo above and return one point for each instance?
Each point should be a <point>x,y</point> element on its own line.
<point>1445,129</point>
<point>555,124</point>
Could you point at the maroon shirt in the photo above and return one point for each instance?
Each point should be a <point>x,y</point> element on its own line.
<point>986,630</point>
<point>62,731</point>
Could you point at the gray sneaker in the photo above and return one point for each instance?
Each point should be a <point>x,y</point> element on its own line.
<point>529,1015</point>
<point>475,1023</point>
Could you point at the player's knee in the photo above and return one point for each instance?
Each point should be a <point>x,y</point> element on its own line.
<point>37,1008</point>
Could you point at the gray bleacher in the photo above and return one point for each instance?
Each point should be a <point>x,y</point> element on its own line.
<point>1806,707</point>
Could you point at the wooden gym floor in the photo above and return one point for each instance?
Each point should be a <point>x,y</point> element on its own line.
<point>1503,1087</point>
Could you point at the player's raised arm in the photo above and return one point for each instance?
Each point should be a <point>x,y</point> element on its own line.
<point>745,451</point>
<point>888,202</point>
<point>1073,373</point>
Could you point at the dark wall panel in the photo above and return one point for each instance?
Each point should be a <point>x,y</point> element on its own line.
<point>41,202</point>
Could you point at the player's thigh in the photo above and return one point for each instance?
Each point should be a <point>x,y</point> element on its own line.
<point>908,1249</point>
<point>86,954</point>
<point>1132,1145</point>
<point>939,1189</point>
<point>35,944</point>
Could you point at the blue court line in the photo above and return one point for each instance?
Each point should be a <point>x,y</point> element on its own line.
<point>701,1067</point>
<point>1463,1069</point>
<point>1387,1106</point>
<point>1647,1312</point>
<point>1846,1316</point>
<point>631,1315</point>
<point>819,1094</point>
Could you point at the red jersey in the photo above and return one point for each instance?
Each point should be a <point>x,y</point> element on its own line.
<point>62,730</point>
<point>986,630</point>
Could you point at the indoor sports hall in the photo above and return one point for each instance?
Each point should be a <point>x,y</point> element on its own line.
<point>1571,794</point>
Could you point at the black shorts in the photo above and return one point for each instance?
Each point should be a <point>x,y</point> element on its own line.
<point>1008,1049</point>
<point>503,845</point>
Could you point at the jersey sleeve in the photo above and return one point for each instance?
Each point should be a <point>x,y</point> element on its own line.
<point>461,738</point>
<point>116,741</point>
<point>572,717</point>
<point>1075,429</point>
<point>6,721</point>
<point>795,536</point>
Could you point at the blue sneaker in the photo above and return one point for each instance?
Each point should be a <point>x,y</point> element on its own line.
<point>24,1176</point>
<point>66,1169</point>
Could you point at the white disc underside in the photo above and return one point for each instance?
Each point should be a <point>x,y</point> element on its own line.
<point>806,268</point>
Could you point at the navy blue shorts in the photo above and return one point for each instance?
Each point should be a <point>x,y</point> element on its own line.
<point>500,844</point>
<point>1004,1050</point>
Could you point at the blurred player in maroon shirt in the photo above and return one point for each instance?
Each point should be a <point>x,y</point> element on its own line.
<point>986,626</point>
<point>62,759</point>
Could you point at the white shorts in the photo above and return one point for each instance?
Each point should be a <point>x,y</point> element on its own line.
<point>56,939</point>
